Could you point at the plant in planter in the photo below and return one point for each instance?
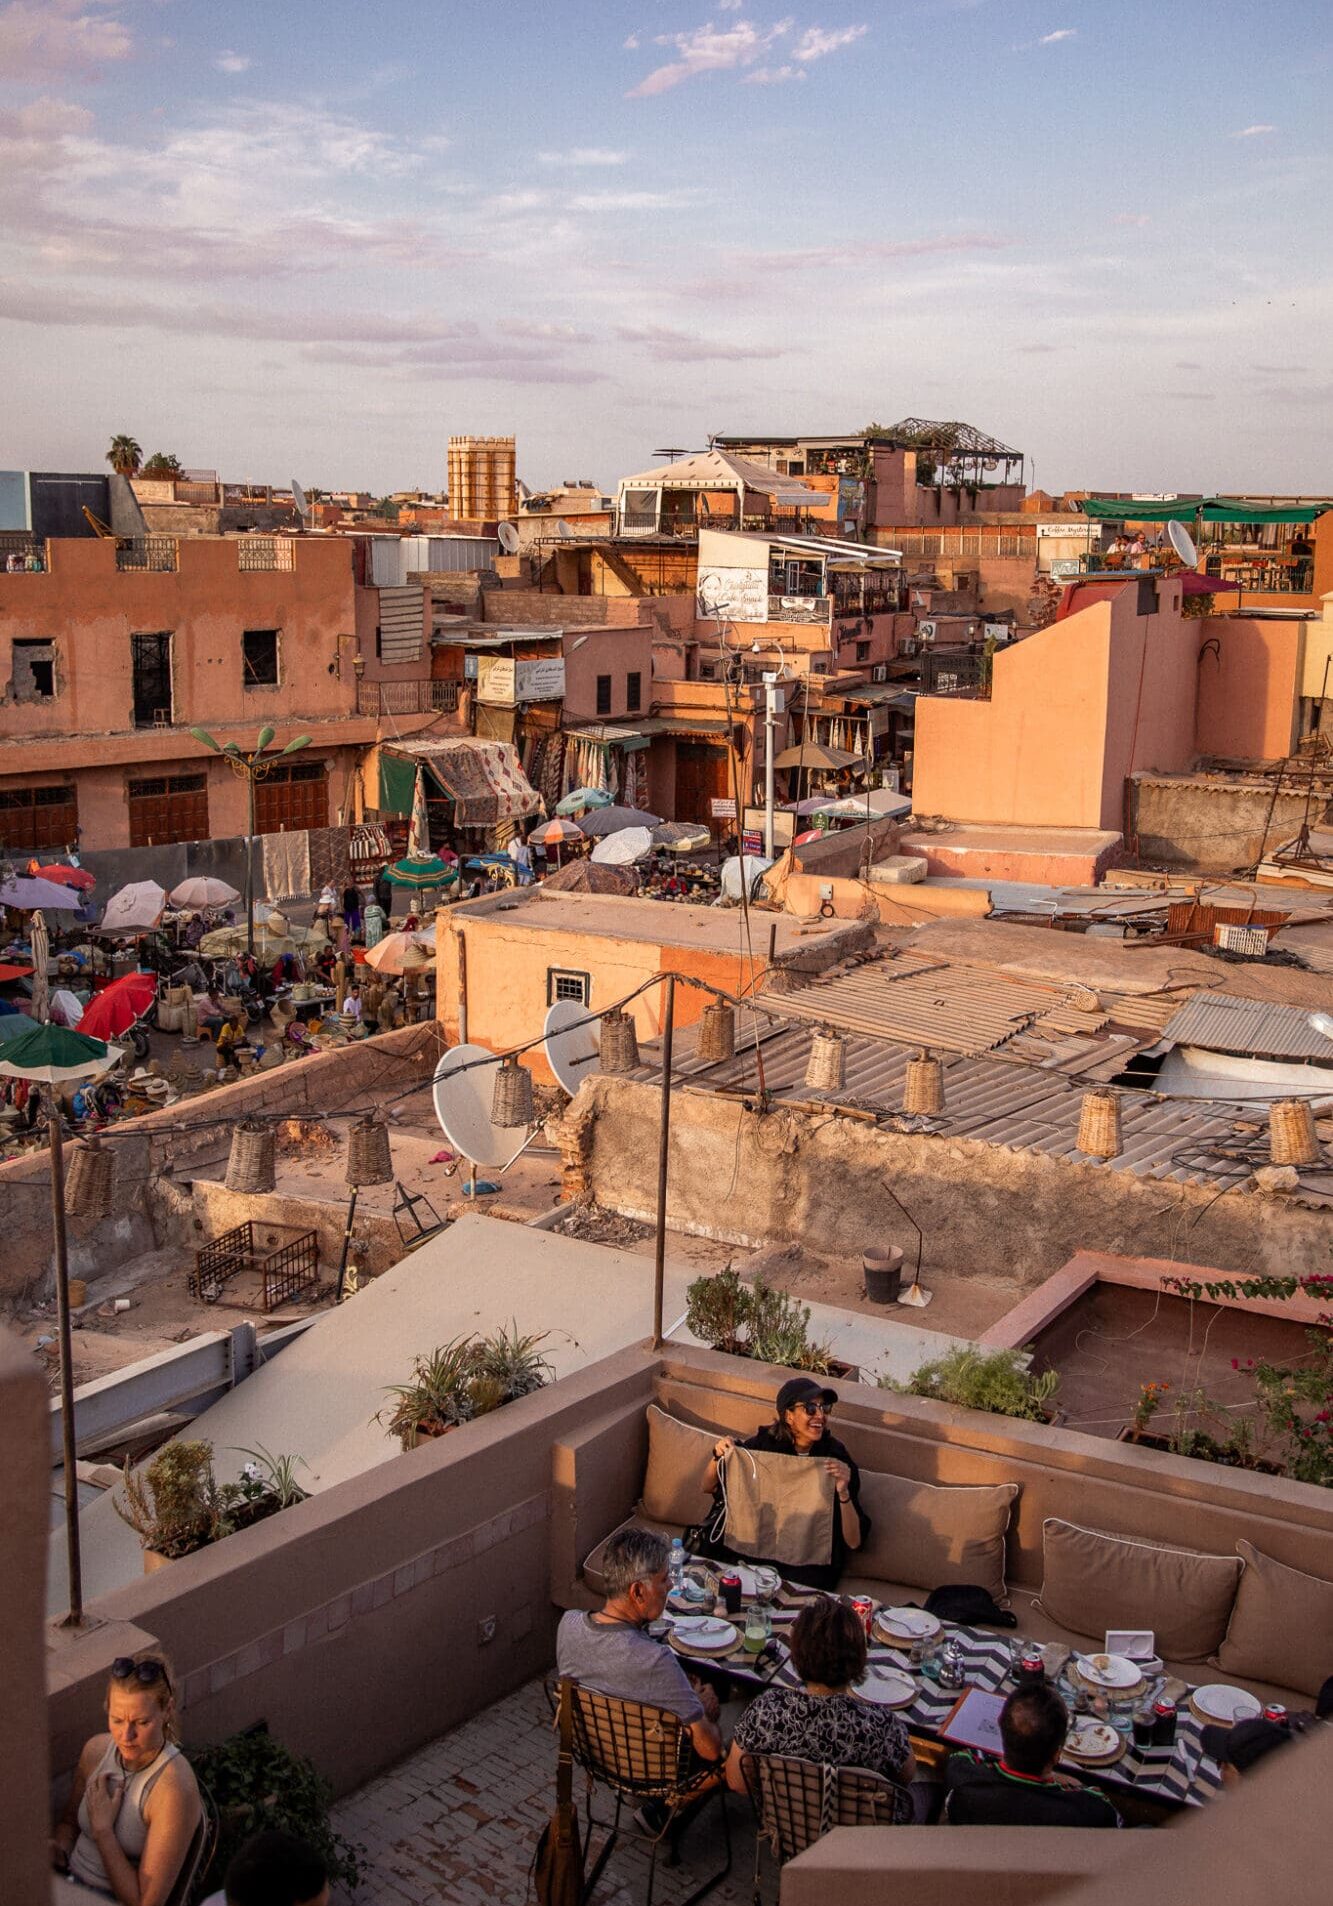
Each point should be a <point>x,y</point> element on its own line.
<point>1150,1401</point>
<point>257,1784</point>
<point>996,1381</point>
<point>463,1379</point>
<point>1297,1403</point>
<point>717,1310</point>
<point>177,1505</point>
<point>760,1322</point>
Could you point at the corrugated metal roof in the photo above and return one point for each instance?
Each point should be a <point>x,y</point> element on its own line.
<point>1220,1022</point>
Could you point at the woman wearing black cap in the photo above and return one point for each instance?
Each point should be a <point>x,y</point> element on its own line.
<point>800,1430</point>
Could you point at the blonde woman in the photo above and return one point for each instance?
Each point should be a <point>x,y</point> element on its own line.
<point>134,1805</point>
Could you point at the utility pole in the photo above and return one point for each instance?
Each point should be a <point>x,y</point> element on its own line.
<point>774,705</point>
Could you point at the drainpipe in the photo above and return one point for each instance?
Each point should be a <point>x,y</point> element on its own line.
<point>462,984</point>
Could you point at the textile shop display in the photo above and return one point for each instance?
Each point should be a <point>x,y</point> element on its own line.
<point>330,858</point>
<point>287,865</point>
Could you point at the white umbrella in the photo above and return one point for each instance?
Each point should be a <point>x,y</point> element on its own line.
<point>203,891</point>
<point>621,848</point>
<point>747,867</point>
<point>25,892</point>
<point>136,908</point>
<point>40,942</point>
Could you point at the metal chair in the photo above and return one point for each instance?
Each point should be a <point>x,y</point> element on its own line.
<point>643,1754</point>
<point>197,1854</point>
<point>797,1802</point>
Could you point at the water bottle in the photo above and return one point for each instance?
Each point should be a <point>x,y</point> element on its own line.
<point>676,1566</point>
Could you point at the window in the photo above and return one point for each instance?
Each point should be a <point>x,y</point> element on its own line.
<point>38,817</point>
<point>633,692</point>
<point>604,694</point>
<point>561,984</point>
<point>168,808</point>
<point>259,658</point>
<point>150,657</point>
<point>34,671</point>
<point>863,651</point>
<point>293,795</point>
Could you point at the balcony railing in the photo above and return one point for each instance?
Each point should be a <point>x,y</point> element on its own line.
<point>265,552</point>
<point>146,552</point>
<point>407,698</point>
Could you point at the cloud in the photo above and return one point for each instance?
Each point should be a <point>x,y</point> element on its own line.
<point>584,156</point>
<point>233,62</point>
<point>679,347</point>
<point>862,250</point>
<point>1252,132</point>
<point>1132,218</point>
<point>1186,364</point>
<point>630,44</point>
<point>58,39</point>
<point>720,49</point>
<point>631,201</point>
<point>772,75</point>
<point>1061,33</point>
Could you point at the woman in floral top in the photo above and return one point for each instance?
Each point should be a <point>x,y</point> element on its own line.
<point>823,1721</point>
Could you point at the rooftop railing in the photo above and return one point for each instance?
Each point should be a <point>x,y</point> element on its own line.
<point>146,552</point>
<point>407,698</point>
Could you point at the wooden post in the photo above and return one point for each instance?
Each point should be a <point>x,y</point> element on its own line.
<point>663,1149</point>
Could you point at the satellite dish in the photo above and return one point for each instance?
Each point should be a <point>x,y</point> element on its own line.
<point>302,502</point>
<point>508,536</point>
<point>563,531</point>
<point>573,1045</point>
<point>463,1105</point>
<point>1183,544</point>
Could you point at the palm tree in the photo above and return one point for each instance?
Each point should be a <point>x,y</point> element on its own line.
<point>124,456</point>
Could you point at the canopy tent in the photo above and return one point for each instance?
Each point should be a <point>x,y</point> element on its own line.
<point>1206,509</point>
<point>880,803</point>
<point>483,779</point>
<point>716,470</point>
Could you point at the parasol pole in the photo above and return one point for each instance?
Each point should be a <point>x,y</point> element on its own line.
<point>74,1619</point>
<point>663,1150</point>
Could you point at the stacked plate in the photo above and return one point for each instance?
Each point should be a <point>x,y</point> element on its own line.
<point>1110,1674</point>
<point>905,1625</point>
<point>703,1635</point>
<point>1218,1705</point>
<point>1094,1744</point>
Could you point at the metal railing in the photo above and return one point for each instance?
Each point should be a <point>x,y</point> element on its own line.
<point>963,542</point>
<point>146,552</point>
<point>265,552</point>
<point>407,698</point>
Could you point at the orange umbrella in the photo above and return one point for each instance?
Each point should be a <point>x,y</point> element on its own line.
<point>67,876</point>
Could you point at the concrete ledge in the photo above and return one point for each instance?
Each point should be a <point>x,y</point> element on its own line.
<point>1054,856</point>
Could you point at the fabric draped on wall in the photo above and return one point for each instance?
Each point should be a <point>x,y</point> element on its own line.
<point>287,865</point>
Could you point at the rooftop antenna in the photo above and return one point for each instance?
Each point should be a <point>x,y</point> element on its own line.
<point>672,452</point>
<point>302,502</point>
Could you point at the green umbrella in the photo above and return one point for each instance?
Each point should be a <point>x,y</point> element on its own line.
<point>419,873</point>
<point>54,1055</point>
<point>582,797</point>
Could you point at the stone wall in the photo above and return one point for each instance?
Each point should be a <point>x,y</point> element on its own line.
<point>1217,825</point>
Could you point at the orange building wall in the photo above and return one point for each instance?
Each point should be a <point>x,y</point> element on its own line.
<point>1248,688</point>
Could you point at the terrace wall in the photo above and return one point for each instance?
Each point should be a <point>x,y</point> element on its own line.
<point>25,1499</point>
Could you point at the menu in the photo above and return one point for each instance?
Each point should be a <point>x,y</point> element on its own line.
<point>975,1721</point>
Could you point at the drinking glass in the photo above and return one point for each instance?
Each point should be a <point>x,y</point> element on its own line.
<point>758,1628</point>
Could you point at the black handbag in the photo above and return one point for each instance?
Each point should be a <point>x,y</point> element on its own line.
<point>969,1606</point>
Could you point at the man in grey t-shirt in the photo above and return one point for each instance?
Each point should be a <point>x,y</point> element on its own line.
<point>612,1652</point>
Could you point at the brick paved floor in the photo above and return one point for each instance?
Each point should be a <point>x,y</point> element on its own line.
<point>459,1819</point>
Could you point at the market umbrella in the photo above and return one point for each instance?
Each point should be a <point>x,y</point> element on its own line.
<point>610,820</point>
<point>65,876</point>
<point>53,1055</point>
<point>203,891</point>
<point>430,872</point>
<point>583,876</point>
<point>398,953</point>
<point>66,1007</point>
<point>25,894</point>
<point>136,908</point>
<point>40,941</point>
<point>582,798</point>
<point>114,1010</point>
<point>681,837</point>
<point>625,845</point>
<point>14,1025</point>
<point>555,833</point>
<point>814,754</point>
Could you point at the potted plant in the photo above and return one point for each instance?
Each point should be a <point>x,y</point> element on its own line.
<point>257,1784</point>
<point>176,1505</point>
<point>757,1321</point>
<point>996,1381</point>
<point>463,1379</point>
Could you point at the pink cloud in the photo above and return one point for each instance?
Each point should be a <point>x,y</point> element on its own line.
<point>679,347</point>
<point>721,49</point>
<point>50,39</point>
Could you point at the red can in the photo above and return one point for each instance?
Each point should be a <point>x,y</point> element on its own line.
<point>865,1608</point>
<point>1276,1713</point>
<point>729,1587</point>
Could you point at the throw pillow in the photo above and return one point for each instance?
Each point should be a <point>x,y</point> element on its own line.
<point>1281,1628</point>
<point>1092,1581</point>
<point>678,1454</point>
<point>932,1535</point>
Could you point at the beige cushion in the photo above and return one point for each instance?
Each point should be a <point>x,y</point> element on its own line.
<point>1092,1581</point>
<point>932,1535</point>
<point>678,1454</point>
<point>1281,1626</point>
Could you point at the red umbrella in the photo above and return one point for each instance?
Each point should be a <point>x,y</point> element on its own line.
<point>116,1008</point>
<point>68,876</point>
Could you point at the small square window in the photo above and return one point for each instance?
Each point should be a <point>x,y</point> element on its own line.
<point>633,692</point>
<point>34,665</point>
<point>863,651</point>
<point>259,658</point>
<point>563,984</point>
<point>604,694</point>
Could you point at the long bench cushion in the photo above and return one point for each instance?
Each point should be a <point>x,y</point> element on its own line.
<point>678,1454</point>
<point>1092,1581</point>
<point>929,1535</point>
<point>1281,1627</point>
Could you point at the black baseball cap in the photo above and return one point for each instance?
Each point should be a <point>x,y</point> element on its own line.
<point>1243,1744</point>
<point>803,1390</point>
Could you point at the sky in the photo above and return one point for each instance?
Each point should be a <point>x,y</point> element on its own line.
<point>303,237</point>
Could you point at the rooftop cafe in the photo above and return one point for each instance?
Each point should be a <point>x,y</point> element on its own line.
<point>1267,551</point>
<point>1078,1626</point>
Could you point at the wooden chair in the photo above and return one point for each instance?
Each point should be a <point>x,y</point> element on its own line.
<point>643,1754</point>
<point>198,1853</point>
<point>797,1802</point>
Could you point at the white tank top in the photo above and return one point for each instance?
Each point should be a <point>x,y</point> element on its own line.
<point>85,1862</point>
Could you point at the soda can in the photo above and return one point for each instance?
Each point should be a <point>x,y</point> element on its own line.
<point>1032,1666</point>
<point>865,1608</point>
<point>729,1586</point>
<point>1276,1713</point>
<point>1164,1723</point>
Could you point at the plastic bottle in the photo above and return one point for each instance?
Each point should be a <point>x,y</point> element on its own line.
<point>676,1565</point>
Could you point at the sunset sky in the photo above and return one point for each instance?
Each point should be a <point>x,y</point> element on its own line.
<point>315,239</point>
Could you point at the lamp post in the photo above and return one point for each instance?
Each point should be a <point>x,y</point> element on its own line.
<point>257,765</point>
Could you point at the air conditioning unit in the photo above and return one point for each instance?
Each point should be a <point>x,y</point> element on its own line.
<point>880,672</point>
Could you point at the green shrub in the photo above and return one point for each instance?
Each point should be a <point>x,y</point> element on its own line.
<point>257,1784</point>
<point>760,1322</point>
<point>979,1380</point>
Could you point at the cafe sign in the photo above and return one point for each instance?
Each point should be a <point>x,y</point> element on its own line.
<point>504,682</point>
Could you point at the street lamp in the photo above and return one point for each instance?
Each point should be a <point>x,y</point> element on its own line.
<point>257,765</point>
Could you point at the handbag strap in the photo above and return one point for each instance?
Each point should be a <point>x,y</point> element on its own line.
<point>564,1766</point>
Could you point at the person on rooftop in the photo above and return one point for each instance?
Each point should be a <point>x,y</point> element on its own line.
<point>274,1868</point>
<point>612,1652</point>
<point>1022,1788</point>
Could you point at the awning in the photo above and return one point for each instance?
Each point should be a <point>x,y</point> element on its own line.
<point>483,779</point>
<point>1207,509</point>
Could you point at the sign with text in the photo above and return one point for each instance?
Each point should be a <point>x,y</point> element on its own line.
<point>502,681</point>
<point>741,595</point>
<point>722,810</point>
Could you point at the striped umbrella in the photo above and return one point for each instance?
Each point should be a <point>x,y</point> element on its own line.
<point>556,833</point>
<point>53,1055</point>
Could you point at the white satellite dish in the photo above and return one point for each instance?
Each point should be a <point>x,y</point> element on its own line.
<point>563,531</point>
<point>508,536</point>
<point>1183,544</point>
<point>463,1105</point>
<point>302,502</point>
<point>573,1045</point>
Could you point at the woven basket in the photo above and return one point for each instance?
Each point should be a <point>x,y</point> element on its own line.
<point>619,1042</point>
<point>1292,1139</point>
<point>512,1103</point>
<point>172,1008</point>
<point>826,1070</point>
<point>923,1088</point>
<point>369,1161</point>
<point>717,1033</point>
<point>88,1179</point>
<point>1099,1125</point>
<point>250,1165</point>
<point>1084,1000</point>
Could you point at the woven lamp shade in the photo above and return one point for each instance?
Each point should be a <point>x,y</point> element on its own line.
<point>512,1103</point>
<point>368,1158</point>
<point>250,1166</point>
<point>923,1088</point>
<point>1099,1125</point>
<point>826,1069</point>
<point>89,1175</point>
<point>619,1042</point>
<point>1292,1139</point>
<point>717,1032</point>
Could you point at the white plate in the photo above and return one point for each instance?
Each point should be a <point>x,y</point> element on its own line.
<point>1111,1671</point>
<point>1226,1704</point>
<point>883,1688</point>
<point>758,1580</point>
<point>907,1624</point>
<point>707,1633</point>
<point>1093,1740</point>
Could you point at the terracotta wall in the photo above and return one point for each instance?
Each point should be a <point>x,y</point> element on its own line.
<point>25,1513</point>
<point>615,652</point>
<point>1248,687</point>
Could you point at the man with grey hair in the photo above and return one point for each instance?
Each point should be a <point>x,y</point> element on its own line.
<point>612,1652</point>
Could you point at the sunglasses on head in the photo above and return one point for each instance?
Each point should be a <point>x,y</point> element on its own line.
<point>146,1673</point>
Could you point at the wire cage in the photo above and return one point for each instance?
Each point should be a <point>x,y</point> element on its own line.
<point>284,1258</point>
